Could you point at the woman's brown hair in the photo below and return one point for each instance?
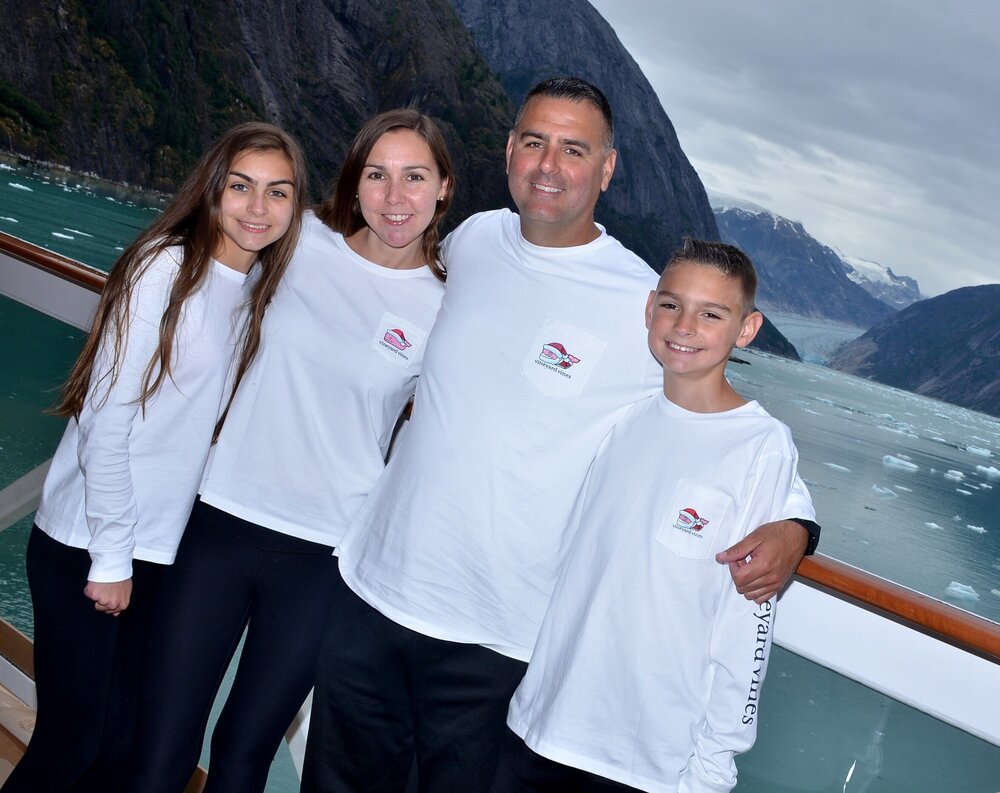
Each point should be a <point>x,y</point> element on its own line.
<point>341,210</point>
<point>191,221</point>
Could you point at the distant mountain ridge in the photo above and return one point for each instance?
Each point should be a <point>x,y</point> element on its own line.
<point>898,291</point>
<point>798,274</point>
<point>947,347</point>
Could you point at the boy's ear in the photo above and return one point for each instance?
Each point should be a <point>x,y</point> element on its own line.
<point>751,325</point>
<point>649,308</point>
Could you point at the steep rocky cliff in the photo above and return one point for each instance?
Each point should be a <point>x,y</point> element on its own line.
<point>947,347</point>
<point>134,91</point>
<point>656,196</point>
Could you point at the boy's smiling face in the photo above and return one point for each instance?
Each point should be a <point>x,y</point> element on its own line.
<point>695,318</point>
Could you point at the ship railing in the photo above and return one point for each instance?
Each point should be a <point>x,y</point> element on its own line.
<point>883,635</point>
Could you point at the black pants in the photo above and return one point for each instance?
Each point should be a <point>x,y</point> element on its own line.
<point>229,575</point>
<point>523,771</point>
<point>87,668</point>
<point>386,695</point>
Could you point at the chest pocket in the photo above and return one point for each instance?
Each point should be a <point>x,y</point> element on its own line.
<point>399,340</point>
<point>561,359</point>
<point>694,519</point>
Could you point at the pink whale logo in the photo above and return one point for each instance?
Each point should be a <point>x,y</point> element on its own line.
<point>394,337</point>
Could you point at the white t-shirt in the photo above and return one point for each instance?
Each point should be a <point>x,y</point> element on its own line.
<point>648,666</point>
<point>123,480</point>
<point>342,347</point>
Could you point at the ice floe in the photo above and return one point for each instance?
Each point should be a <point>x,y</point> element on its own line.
<point>956,476</point>
<point>978,451</point>
<point>77,231</point>
<point>898,463</point>
<point>17,186</point>
<point>961,592</point>
<point>11,220</point>
<point>990,472</point>
<point>995,592</point>
<point>62,236</point>
<point>976,529</point>
<point>963,492</point>
<point>884,492</point>
<point>836,467</point>
<point>904,489</point>
<point>932,525</point>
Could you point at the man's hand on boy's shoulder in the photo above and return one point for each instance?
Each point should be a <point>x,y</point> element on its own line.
<point>774,551</point>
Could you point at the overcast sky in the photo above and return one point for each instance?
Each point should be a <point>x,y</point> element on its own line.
<point>876,123</point>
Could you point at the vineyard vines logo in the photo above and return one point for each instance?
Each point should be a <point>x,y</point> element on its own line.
<point>689,522</point>
<point>395,340</point>
<point>554,354</point>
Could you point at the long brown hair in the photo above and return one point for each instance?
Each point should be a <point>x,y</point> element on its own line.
<point>191,221</point>
<point>341,210</point>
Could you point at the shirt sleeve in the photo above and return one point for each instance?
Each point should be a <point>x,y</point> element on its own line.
<point>740,647</point>
<point>109,411</point>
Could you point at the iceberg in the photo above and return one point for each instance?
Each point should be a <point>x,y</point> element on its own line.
<point>17,186</point>
<point>978,451</point>
<point>836,467</point>
<point>991,472</point>
<point>961,592</point>
<point>884,492</point>
<point>899,463</point>
<point>956,476</point>
<point>976,529</point>
<point>932,525</point>
<point>61,236</point>
<point>963,492</point>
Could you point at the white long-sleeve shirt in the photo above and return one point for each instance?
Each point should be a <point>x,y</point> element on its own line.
<point>649,664</point>
<point>123,480</point>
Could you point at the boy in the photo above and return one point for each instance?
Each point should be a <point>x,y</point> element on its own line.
<point>648,667</point>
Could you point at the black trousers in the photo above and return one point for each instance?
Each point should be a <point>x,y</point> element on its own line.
<point>523,771</point>
<point>229,575</point>
<point>387,697</point>
<point>87,670</point>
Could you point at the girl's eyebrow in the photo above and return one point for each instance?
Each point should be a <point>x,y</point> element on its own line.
<point>246,178</point>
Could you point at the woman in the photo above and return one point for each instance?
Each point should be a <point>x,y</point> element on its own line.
<point>304,438</point>
<point>142,400</point>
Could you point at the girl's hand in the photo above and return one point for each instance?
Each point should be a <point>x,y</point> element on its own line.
<point>111,598</point>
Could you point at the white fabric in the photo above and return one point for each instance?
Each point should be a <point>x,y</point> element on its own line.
<point>307,433</point>
<point>648,666</point>
<point>122,481</point>
<point>462,537</point>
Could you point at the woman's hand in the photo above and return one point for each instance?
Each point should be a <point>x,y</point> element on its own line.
<point>111,598</point>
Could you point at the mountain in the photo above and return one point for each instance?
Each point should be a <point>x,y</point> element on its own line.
<point>656,197</point>
<point>135,91</point>
<point>797,274</point>
<point>946,347</point>
<point>898,291</point>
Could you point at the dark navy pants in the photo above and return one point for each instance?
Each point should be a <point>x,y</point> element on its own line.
<point>388,697</point>
<point>229,575</point>
<point>87,669</point>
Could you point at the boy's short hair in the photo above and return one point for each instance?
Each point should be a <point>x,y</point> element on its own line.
<point>727,259</point>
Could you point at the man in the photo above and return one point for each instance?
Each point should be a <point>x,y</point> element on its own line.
<point>537,351</point>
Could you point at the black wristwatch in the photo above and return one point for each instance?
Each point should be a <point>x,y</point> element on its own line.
<point>813,528</point>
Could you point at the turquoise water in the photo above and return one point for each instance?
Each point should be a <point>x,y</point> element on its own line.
<point>927,517</point>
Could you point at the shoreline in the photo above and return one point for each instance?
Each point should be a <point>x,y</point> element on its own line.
<point>120,191</point>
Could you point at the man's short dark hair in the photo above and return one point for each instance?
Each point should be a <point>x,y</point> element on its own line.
<point>574,89</point>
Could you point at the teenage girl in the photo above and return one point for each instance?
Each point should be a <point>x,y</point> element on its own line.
<point>304,440</point>
<point>143,399</point>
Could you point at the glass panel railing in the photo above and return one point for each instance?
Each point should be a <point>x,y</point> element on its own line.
<point>823,733</point>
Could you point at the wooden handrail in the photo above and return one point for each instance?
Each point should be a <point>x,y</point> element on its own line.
<point>69,269</point>
<point>922,612</point>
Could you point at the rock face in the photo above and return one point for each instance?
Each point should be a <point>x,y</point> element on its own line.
<point>898,291</point>
<point>655,196</point>
<point>135,91</point>
<point>947,347</point>
<point>797,274</point>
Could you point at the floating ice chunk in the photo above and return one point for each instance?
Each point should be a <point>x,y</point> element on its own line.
<point>961,592</point>
<point>992,472</point>
<point>995,592</point>
<point>939,440</point>
<point>61,236</point>
<point>984,486</point>
<point>884,492</point>
<point>963,492</point>
<point>932,525</point>
<point>76,231</point>
<point>811,412</point>
<point>899,464</point>
<point>957,518</point>
<point>976,529</point>
<point>904,456</point>
<point>899,431</point>
<point>10,220</point>
<point>5,167</point>
<point>956,476</point>
<point>904,489</point>
<point>836,467</point>
<point>978,451</point>
<point>17,186</point>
